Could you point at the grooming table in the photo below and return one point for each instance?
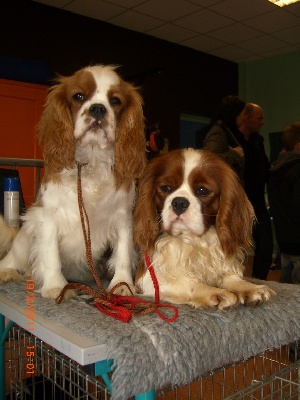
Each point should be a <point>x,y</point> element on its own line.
<point>149,353</point>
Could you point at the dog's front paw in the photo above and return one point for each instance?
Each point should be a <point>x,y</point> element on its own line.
<point>225,300</point>
<point>10,275</point>
<point>257,295</point>
<point>222,300</point>
<point>122,288</point>
<point>53,293</point>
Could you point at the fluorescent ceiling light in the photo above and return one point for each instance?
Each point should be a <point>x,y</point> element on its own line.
<point>282,3</point>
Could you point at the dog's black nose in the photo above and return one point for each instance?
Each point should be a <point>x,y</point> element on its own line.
<point>97,110</point>
<point>179,205</point>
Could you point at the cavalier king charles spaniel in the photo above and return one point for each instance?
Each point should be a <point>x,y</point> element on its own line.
<point>95,119</point>
<point>194,221</point>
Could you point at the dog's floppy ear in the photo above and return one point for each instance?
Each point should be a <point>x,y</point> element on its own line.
<point>235,217</point>
<point>146,224</point>
<point>130,145</point>
<point>56,130</point>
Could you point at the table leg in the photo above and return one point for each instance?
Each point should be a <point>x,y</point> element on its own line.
<point>3,335</point>
<point>102,368</point>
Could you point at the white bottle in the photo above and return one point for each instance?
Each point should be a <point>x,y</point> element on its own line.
<point>12,202</point>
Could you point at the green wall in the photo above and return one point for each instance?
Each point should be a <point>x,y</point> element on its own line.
<point>274,84</point>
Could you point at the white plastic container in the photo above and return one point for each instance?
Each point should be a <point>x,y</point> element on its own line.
<point>12,202</point>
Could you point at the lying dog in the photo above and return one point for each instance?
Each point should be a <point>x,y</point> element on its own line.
<point>194,220</point>
<point>94,119</point>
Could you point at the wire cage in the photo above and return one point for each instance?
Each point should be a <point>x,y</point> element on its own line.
<point>272,375</point>
<point>50,375</point>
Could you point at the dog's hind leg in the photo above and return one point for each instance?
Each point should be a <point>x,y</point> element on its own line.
<point>7,235</point>
<point>14,265</point>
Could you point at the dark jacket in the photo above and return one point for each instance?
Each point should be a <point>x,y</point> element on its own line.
<point>284,198</point>
<point>256,170</point>
<point>217,140</point>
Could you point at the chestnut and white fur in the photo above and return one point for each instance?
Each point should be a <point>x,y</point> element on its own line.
<point>194,220</point>
<point>94,118</point>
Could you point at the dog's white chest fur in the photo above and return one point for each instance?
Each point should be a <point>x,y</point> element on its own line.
<point>182,260</point>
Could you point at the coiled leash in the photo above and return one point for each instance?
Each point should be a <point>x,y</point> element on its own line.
<point>119,307</point>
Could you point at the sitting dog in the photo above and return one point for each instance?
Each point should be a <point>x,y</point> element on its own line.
<point>194,220</point>
<point>93,119</point>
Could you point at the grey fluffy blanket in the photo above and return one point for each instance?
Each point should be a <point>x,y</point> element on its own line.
<point>150,353</point>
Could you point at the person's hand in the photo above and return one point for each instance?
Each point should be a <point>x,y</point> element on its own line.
<point>239,150</point>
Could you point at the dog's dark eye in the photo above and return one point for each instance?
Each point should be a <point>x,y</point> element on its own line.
<point>79,97</point>
<point>115,101</point>
<point>202,191</point>
<point>166,189</point>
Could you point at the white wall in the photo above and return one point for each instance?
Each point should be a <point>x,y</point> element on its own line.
<point>274,84</point>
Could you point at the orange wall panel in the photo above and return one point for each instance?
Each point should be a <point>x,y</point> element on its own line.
<point>21,105</point>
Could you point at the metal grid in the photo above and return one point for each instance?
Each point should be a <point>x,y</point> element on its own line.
<point>272,375</point>
<point>282,385</point>
<point>47,374</point>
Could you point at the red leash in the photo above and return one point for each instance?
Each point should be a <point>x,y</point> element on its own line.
<point>129,305</point>
<point>119,307</point>
<point>153,276</point>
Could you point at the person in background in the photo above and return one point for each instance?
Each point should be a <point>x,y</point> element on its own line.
<point>284,199</point>
<point>219,138</point>
<point>256,175</point>
<point>276,265</point>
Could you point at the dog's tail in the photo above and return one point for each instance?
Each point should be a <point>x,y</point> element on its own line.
<point>7,235</point>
